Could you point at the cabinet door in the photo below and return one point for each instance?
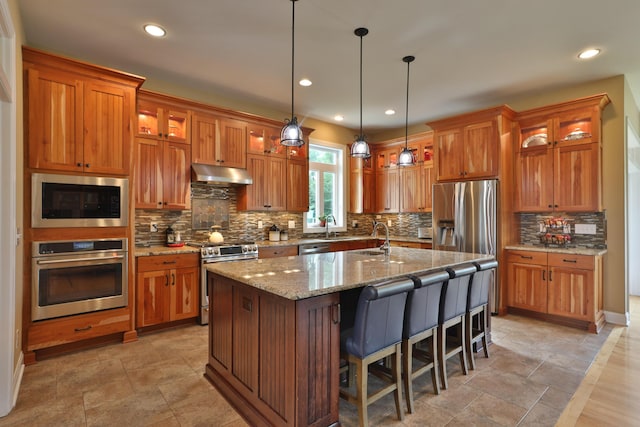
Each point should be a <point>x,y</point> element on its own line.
<point>368,192</point>
<point>185,293</point>
<point>481,150</point>
<point>534,180</point>
<point>55,120</point>
<point>221,309</point>
<point>176,179</point>
<point>176,126</point>
<point>254,197</point>
<point>577,178</point>
<point>527,286</point>
<point>297,185</point>
<point>107,128</point>
<point>278,184</point>
<point>387,191</point>
<point>411,194</point>
<point>245,336</point>
<point>204,135</point>
<point>148,174</point>
<point>449,155</point>
<point>571,293</point>
<point>153,297</point>
<point>426,177</point>
<point>232,147</point>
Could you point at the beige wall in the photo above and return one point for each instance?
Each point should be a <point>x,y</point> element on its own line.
<point>17,22</point>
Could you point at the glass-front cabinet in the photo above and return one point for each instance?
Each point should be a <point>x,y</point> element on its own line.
<point>162,122</point>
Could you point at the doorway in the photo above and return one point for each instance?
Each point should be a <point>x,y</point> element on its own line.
<point>633,207</point>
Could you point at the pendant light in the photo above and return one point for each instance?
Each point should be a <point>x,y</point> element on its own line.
<point>360,148</point>
<point>406,156</point>
<point>291,134</point>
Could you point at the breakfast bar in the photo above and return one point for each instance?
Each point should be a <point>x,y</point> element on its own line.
<point>274,327</point>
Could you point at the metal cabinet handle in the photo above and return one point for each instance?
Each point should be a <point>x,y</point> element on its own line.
<point>526,257</point>
<point>550,279</point>
<point>544,275</point>
<point>86,328</point>
<point>574,261</point>
<point>335,313</point>
<point>173,279</point>
<point>169,262</point>
<point>166,283</point>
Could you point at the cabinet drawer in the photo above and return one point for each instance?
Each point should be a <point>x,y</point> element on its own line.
<point>527,257</point>
<point>277,251</point>
<point>163,262</point>
<point>584,262</point>
<point>49,333</point>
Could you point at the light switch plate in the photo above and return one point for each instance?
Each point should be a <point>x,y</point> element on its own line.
<point>259,224</point>
<point>389,223</point>
<point>585,229</point>
<point>292,224</point>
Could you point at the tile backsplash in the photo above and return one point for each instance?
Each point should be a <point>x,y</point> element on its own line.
<point>242,226</point>
<point>530,229</point>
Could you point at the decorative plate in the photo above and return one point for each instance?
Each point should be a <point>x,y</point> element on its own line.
<point>535,140</point>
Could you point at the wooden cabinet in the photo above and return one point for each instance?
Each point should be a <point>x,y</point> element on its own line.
<point>277,360</point>
<point>404,244</point>
<point>559,157</point>
<point>387,190</point>
<point>468,146</point>
<point>565,287</point>
<point>277,251</point>
<point>218,141</point>
<point>350,245</point>
<point>168,288</point>
<point>161,117</point>
<point>162,175</point>
<point>268,191</point>
<point>265,139</point>
<point>362,191</point>
<point>297,185</point>
<point>79,117</point>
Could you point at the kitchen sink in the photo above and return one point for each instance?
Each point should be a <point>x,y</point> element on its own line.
<point>370,252</point>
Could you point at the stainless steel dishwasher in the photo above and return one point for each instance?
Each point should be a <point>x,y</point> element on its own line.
<point>313,248</point>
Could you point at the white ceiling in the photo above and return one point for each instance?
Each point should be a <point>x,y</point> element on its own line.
<point>469,54</point>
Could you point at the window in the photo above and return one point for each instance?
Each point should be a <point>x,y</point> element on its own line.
<point>326,187</point>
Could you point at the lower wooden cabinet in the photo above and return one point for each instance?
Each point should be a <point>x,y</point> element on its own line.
<point>277,251</point>
<point>167,288</point>
<point>562,287</point>
<point>276,360</point>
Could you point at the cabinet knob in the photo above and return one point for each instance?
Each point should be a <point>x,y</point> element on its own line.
<point>549,206</point>
<point>87,165</point>
<point>79,164</point>
<point>461,173</point>
<point>159,203</point>
<point>166,203</point>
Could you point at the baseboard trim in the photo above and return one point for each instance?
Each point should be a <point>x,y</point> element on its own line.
<point>17,378</point>
<point>622,319</point>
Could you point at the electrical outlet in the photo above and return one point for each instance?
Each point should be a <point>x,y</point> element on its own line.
<point>354,223</point>
<point>292,224</point>
<point>389,223</point>
<point>259,224</point>
<point>378,216</point>
<point>153,227</point>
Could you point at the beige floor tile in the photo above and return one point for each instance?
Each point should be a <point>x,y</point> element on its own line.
<point>540,415</point>
<point>497,410</point>
<point>139,409</point>
<point>509,387</point>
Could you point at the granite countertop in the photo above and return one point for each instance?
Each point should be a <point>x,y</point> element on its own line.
<point>164,250</point>
<point>299,277</point>
<point>578,250</point>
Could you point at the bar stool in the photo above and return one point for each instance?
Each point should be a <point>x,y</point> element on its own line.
<point>478,305</point>
<point>420,323</point>
<point>453,307</point>
<point>376,334</point>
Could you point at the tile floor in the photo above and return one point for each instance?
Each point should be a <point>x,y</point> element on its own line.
<point>533,371</point>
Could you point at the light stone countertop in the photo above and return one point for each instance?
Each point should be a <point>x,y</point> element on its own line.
<point>569,250</point>
<point>299,277</point>
<point>164,250</point>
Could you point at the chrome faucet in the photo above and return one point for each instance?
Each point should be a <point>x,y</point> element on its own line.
<point>386,246</point>
<point>326,224</point>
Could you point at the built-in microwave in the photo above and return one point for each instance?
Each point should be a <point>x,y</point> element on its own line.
<point>78,201</point>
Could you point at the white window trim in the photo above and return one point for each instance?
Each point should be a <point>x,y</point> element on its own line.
<point>342,184</point>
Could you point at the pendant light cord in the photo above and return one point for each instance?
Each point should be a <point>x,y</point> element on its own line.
<point>293,27</point>
<point>406,117</point>
<point>361,136</point>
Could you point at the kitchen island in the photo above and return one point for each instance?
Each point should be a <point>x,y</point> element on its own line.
<point>274,327</point>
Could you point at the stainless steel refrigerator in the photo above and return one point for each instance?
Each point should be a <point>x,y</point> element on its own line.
<point>464,219</point>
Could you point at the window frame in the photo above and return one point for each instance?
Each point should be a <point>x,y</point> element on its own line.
<point>341,181</point>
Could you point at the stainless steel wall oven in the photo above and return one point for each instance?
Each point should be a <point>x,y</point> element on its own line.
<point>78,201</point>
<point>73,277</point>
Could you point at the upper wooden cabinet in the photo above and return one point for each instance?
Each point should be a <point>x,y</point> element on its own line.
<point>416,181</point>
<point>468,146</point>
<point>558,164</point>
<point>269,189</point>
<point>265,139</point>
<point>79,117</point>
<point>218,140</point>
<point>362,191</point>
<point>297,185</point>
<point>160,118</point>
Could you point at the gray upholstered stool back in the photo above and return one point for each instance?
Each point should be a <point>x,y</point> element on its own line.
<point>379,317</point>
<point>481,283</point>
<point>423,303</point>
<point>454,300</point>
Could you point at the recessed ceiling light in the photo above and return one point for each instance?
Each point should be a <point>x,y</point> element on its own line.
<point>154,30</point>
<point>338,117</point>
<point>390,112</point>
<point>589,53</point>
<point>305,82</point>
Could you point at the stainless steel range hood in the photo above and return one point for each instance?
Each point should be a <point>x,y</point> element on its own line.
<point>220,175</point>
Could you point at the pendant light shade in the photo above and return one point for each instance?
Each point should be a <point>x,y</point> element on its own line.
<point>291,134</point>
<point>360,148</point>
<point>406,156</point>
